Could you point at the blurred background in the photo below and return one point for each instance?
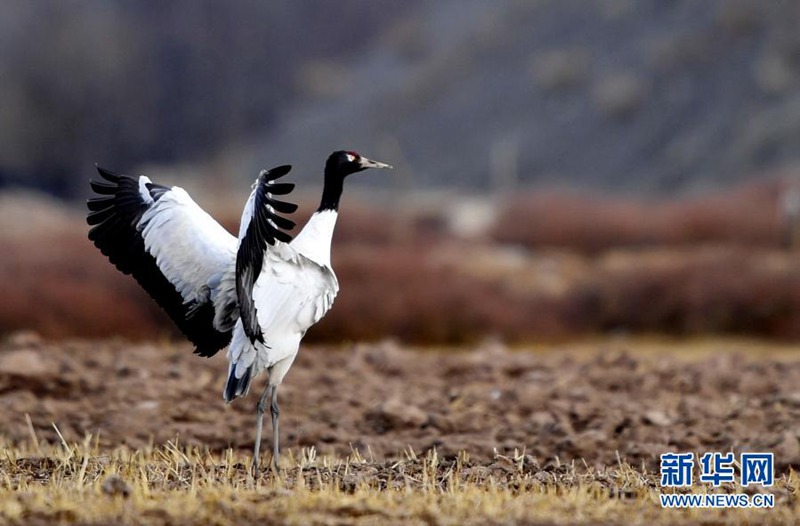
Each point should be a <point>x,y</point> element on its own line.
<point>563,168</point>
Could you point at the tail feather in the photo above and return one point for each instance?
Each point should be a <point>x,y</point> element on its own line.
<point>237,387</point>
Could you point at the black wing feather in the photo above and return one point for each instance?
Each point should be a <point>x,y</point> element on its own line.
<point>283,207</point>
<point>99,203</point>
<point>282,223</point>
<point>281,188</point>
<point>265,229</point>
<point>115,233</point>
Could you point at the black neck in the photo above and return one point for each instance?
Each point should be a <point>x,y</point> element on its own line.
<point>331,192</point>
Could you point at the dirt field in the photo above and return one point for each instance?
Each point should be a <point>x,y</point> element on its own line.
<point>570,417</point>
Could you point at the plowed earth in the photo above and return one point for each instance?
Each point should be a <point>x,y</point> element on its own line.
<point>595,403</point>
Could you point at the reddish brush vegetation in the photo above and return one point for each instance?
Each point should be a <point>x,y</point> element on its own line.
<point>399,280</point>
<point>60,286</point>
<point>404,292</point>
<point>365,224</point>
<point>694,291</point>
<point>750,216</point>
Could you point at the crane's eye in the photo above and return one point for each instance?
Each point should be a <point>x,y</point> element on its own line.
<point>350,157</point>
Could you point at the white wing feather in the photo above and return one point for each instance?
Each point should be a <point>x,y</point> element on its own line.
<point>191,249</point>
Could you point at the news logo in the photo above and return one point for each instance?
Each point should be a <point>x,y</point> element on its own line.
<point>716,469</point>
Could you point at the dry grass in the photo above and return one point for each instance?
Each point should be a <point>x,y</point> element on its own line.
<point>552,435</point>
<point>169,484</point>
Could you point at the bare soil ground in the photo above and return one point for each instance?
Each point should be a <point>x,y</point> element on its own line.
<point>593,402</point>
<point>590,418</point>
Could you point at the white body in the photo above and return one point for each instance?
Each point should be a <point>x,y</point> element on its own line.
<point>295,289</point>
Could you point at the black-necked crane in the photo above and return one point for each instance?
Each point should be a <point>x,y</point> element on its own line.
<point>259,293</point>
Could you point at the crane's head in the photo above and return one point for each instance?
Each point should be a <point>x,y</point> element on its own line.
<point>340,164</point>
<point>343,163</point>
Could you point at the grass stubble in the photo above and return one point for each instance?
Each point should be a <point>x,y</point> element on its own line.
<point>78,483</point>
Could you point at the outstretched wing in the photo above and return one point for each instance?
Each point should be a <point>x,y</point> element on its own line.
<point>261,228</point>
<point>178,253</point>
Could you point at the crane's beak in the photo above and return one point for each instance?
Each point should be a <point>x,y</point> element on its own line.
<point>365,163</point>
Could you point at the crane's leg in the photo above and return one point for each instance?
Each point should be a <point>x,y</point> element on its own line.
<point>274,411</point>
<point>261,408</point>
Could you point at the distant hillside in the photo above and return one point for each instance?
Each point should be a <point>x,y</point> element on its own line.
<point>128,83</point>
<point>647,95</point>
<point>654,96</point>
